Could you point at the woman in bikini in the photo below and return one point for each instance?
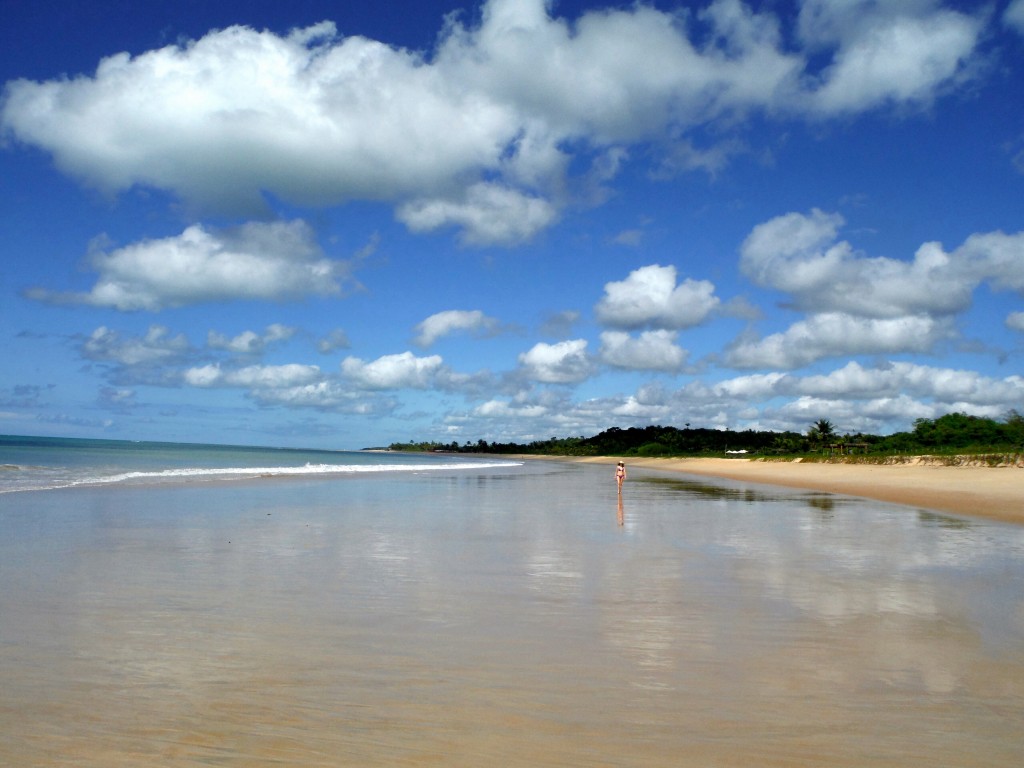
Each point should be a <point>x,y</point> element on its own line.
<point>620,474</point>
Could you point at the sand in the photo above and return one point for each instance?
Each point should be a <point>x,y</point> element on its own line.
<point>505,617</point>
<point>995,493</point>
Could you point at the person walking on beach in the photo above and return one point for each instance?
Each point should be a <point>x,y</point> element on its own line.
<point>620,474</point>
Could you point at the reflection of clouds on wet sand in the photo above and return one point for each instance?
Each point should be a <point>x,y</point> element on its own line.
<point>391,556</point>
<point>447,617</point>
<point>641,619</point>
<point>551,571</point>
<point>896,596</point>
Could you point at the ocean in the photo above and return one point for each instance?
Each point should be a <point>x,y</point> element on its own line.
<point>46,463</point>
<point>168,605</point>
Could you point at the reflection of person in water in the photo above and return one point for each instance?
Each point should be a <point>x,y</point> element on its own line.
<point>620,474</point>
<point>622,515</point>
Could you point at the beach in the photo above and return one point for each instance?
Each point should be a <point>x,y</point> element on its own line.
<point>974,491</point>
<point>514,613</point>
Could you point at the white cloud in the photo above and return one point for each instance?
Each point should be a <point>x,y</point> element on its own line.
<point>800,254</point>
<point>849,416</point>
<point>1015,320</point>
<point>481,134</point>
<point>995,257</point>
<point>566,362</point>
<point>256,261</point>
<point>879,399</point>
<point>852,381</point>
<point>452,320</point>
<point>309,116</point>
<point>249,342</point>
<point>876,399</point>
<point>487,213</point>
<point>754,387</point>
<point>291,385</point>
<point>856,382</point>
<point>953,387</point>
<point>253,376</point>
<point>501,409</point>
<point>203,376</point>
<point>398,371</point>
<point>158,346</point>
<point>786,252</point>
<point>649,297</point>
<point>1013,17</point>
<point>887,52</point>
<point>863,305</point>
<point>325,396</point>
<point>650,351</point>
<point>832,334</point>
<point>634,409</point>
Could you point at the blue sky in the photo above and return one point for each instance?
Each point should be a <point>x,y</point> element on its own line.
<point>347,224</point>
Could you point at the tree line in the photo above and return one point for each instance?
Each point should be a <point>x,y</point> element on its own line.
<point>952,433</point>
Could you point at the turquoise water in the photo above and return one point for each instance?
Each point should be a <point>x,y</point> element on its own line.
<point>46,463</point>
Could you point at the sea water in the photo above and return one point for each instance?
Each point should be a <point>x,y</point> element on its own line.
<point>503,613</point>
<point>42,463</point>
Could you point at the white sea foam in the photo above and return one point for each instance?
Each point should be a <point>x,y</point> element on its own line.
<point>37,464</point>
<point>306,469</point>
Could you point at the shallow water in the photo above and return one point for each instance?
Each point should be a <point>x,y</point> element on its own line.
<point>504,617</point>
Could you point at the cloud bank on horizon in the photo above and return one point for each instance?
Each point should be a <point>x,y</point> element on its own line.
<point>733,292</point>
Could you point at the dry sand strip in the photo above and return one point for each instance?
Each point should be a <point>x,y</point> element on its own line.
<point>972,491</point>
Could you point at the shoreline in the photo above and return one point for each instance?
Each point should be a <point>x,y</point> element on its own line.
<point>993,493</point>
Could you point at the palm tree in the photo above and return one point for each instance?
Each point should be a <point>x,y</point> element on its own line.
<point>821,432</point>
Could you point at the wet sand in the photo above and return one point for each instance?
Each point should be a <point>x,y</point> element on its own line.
<point>975,491</point>
<point>505,618</point>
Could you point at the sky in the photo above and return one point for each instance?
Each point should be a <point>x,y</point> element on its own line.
<point>343,225</point>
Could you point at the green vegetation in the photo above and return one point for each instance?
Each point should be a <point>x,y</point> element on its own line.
<point>952,434</point>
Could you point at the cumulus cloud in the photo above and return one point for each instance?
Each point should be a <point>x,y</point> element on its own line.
<point>501,409</point>
<point>801,255</point>
<point>1013,17</point>
<point>855,397</point>
<point>856,382</point>
<point>480,133</point>
<point>253,376</point>
<point>485,213</point>
<point>831,334</point>
<point>650,298</point>
<point>995,257</point>
<point>635,410</point>
<point>861,304</point>
<point>157,346</point>
<point>325,395</point>
<point>876,399</point>
<point>886,52</point>
<point>256,261</point>
<point>400,371</point>
<point>249,342</point>
<point>450,321</point>
<point>650,351</point>
<point>566,362</point>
